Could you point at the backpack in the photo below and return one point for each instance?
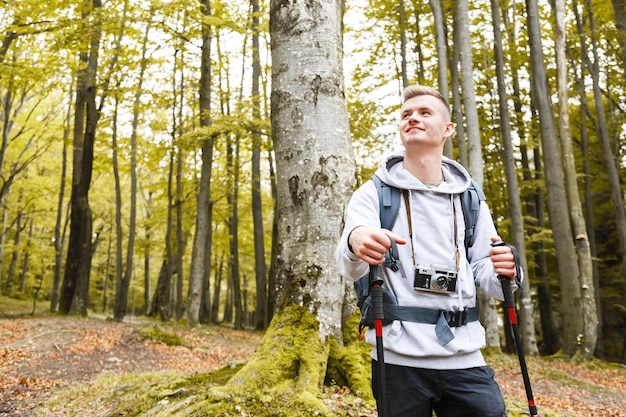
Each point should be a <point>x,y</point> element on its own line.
<point>389,205</point>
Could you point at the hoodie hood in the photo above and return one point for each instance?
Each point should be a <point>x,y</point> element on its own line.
<point>392,172</point>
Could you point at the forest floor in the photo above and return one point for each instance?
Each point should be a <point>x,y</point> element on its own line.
<point>54,366</point>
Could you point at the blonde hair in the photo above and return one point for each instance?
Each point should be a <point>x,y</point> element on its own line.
<point>420,90</point>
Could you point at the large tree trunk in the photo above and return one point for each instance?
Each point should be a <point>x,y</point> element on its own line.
<point>315,177</point>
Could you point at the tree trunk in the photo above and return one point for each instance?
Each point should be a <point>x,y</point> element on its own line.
<point>147,289</point>
<point>161,300</point>
<point>121,300</point>
<point>619,8</point>
<point>569,273</point>
<point>202,237</point>
<point>119,234</point>
<point>74,293</point>
<point>402,28</point>
<point>232,156</point>
<point>515,206</point>
<point>260,270</point>
<point>315,177</point>
<point>588,298</point>
<point>19,228</point>
<point>488,313</point>
<point>603,135</point>
<point>588,203</point>
<point>215,306</point>
<point>441,40</point>
<point>59,235</point>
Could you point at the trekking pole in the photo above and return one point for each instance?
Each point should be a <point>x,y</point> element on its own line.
<point>509,304</point>
<point>377,313</point>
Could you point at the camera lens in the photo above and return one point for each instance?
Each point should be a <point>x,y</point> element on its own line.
<point>441,282</point>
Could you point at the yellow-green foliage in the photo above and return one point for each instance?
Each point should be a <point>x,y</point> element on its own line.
<point>159,335</point>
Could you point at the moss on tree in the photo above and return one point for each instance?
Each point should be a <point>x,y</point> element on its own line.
<point>285,377</point>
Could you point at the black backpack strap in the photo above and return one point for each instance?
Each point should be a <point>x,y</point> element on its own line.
<point>389,205</point>
<point>388,202</point>
<point>470,203</point>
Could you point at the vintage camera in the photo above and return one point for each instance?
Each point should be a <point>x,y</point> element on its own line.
<point>436,278</point>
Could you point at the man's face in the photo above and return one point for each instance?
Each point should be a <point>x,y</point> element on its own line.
<point>424,120</point>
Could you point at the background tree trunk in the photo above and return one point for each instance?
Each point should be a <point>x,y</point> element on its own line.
<point>488,313</point>
<point>619,8</point>
<point>587,289</point>
<point>74,294</point>
<point>260,270</point>
<point>202,237</point>
<point>557,201</point>
<point>441,40</point>
<point>515,206</point>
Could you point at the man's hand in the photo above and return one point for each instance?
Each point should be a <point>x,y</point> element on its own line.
<point>503,259</point>
<point>370,244</point>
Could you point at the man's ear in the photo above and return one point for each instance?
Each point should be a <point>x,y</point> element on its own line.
<point>450,129</point>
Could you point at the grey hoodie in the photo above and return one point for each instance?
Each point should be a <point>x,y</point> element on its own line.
<point>433,214</point>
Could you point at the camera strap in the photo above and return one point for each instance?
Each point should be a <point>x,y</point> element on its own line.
<point>407,205</point>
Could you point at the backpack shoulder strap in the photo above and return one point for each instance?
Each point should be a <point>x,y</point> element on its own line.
<point>470,202</point>
<point>389,206</point>
<point>389,202</point>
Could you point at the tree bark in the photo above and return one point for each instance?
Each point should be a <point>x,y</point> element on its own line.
<point>515,206</point>
<point>587,289</point>
<point>569,273</point>
<point>488,313</point>
<point>441,40</point>
<point>260,270</point>
<point>232,156</point>
<point>619,8</point>
<point>75,288</point>
<point>315,177</point>
<point>202,237</point>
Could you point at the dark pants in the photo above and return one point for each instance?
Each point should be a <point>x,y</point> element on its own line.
<point>416,392</point>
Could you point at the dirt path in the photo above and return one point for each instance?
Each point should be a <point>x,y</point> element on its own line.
<point>40,355</point>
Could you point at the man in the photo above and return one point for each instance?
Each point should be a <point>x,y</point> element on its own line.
<point>426,371</point>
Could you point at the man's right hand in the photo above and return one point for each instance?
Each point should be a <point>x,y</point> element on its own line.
<point>371,244</point>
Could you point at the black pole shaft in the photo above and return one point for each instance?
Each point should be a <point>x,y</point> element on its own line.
<point>378,314</point>
<point>509,304</point>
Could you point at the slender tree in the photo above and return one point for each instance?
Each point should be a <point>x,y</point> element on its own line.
<point>515,206</point>
<point>569,273</point>
<point>80,249</point>
<point>441,40</point>
<point>619,8</point>
<point>260,269</point>
<point>202,236</point>
<point>579,228</point>
<point>488,314</point>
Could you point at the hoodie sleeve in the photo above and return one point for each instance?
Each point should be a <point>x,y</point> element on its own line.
<point>362,210</point>
<point>479,258</point>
